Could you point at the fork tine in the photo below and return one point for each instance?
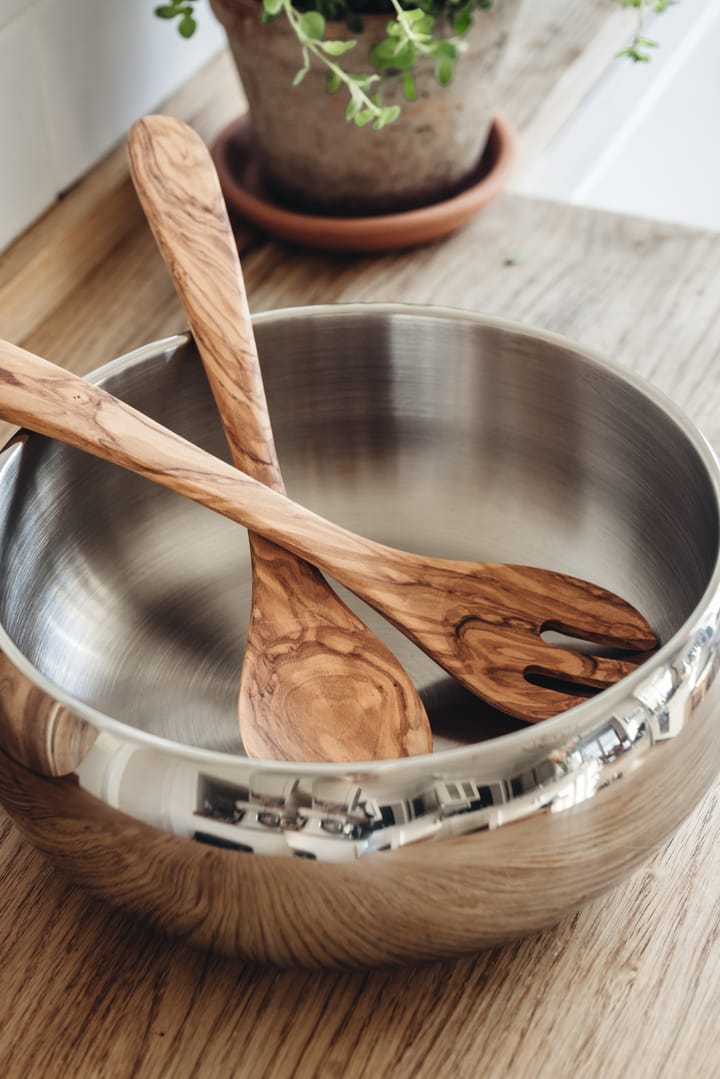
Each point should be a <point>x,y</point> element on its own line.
<point>550,661</point>
<point>581,609</point>
<point>577,667</point>
<point>501,662</point>
<point>545,703</point>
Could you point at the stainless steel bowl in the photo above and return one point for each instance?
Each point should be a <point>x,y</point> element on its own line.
<point>124,607</point>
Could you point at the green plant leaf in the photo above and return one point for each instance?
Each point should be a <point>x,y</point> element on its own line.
<point>413,15</point>
<point>387,116</point>
<point>415,23</point>
<point>444,70</point>
<point>424,25</point>
<point>166,11</point>
<point>406,57</point>
<point>353,107</point>
<point>187,25</point>
<point>383,54</point>
<point>273,7</point>
<point>312,25</point>
<point>364,117</point>
<point>337,48</point>
<point>333,82</point>
<point>462,21</point>
<point>391,55</point>
<point>409,87</point>
<point>364,82</point>
<point>445,48</point>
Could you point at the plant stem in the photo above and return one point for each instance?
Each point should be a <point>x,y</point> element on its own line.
<point>356,92</point>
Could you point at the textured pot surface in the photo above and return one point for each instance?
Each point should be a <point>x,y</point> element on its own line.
<point>123,614</point>
<point>313,159</point>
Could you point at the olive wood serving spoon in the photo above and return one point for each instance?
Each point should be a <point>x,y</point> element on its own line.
<point>481,621</point>
<point>316,683</point>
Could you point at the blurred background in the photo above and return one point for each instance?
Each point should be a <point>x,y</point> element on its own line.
<point>74,74</point>
<point>646,139</point>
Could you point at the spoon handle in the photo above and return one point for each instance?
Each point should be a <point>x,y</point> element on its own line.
<point>190,224</point>
<point>45,398</point>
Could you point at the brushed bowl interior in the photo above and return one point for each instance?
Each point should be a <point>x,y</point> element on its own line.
<point>432,431</point>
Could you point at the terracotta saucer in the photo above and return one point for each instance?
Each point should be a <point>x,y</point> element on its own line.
<point>242,187</point>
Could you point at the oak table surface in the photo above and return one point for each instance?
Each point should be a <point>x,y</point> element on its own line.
<point>630,986</point>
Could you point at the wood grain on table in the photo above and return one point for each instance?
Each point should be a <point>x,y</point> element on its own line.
<point>630,986</point>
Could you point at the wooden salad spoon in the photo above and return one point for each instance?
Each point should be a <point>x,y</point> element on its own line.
<point>316,683</point>
<point>481,621</point>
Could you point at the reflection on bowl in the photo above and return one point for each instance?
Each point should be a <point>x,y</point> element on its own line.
<point>124,608</point>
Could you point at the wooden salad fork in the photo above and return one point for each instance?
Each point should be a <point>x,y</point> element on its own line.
<point>481,621</point>
<point>316,683</point>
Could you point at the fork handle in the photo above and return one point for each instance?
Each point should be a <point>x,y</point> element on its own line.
<point>45,398</point>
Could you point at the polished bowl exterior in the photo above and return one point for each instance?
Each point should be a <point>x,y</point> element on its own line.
<point>124,609</point>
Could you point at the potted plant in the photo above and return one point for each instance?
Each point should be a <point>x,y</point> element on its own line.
<point>318,74</point>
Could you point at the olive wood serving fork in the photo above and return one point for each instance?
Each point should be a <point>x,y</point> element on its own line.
<point>481,621</point>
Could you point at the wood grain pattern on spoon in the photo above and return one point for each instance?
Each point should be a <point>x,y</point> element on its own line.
<point>481,621</point>
<point>316,683</point>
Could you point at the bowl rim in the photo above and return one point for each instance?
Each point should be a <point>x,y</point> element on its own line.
<point>559,728</point>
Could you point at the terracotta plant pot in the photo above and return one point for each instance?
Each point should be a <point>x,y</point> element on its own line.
<point>313,160</point>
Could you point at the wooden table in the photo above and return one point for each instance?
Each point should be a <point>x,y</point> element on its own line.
<point>630,986</point>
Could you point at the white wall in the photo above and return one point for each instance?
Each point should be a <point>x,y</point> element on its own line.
<point>74,75</point>
<point>647,139</point>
